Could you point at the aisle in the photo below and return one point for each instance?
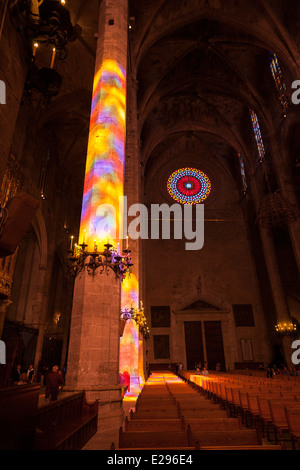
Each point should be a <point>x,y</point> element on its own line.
<point>170,414</point>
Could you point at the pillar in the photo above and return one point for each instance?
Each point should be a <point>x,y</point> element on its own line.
<point>131,347</point>
<point>93,358</point>
<point>280,302</point>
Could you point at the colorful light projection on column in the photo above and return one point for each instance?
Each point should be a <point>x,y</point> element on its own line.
<point>189,186</point>
<point>130,292</point>
<point>129,344</point>
<point>104,177</point>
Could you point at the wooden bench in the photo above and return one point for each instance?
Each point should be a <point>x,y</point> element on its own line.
<point>153,440</point>
<point>205,413</point>
<point>278,415</point>
<point>213,424</point>
<point>293,420</point>
<point>253,407</point>
<point>154,425</point>
<point>153,403</point>
<point>155,414</point>
<point>247,437</point>
<point>66,424</point>
<point>18,411</point>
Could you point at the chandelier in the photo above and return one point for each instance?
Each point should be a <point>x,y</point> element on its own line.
<point>138,315</point>
<point>44,23</point>
<point>276,211</point>
<point>286,328</point>
<point>79,259</point>
<point>47,22</point>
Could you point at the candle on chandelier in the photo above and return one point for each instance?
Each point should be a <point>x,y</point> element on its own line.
<point>35,46</point>
<point>53,58</point>
<point>71,246</point>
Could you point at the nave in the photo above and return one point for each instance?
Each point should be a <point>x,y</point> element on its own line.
<point>175,413</point>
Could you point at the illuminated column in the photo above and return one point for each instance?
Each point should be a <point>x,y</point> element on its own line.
<point>93,358</point>
<point>131,345</point>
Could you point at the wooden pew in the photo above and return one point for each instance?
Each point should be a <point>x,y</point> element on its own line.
<point>151,401</point>
<point>205,413</point>
<point>293,420</point>
<point>247,437</point>
<point>167,413</point>
<point>152,440</point>
<point>18,411</point>
<point>264,415</point>
<point>154,425</point>
<point>213,424</point>
<point>278,415</point>
<point>66,424</point>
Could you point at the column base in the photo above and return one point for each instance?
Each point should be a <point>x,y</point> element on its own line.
<point>110,404</point>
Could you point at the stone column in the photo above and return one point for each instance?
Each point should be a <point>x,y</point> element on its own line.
<point>280,302</point>
<point>282,310</point>
<point>93,358</point>
<point>288,191</point>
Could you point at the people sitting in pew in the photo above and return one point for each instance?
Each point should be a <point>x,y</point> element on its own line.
<point>205,371</point>
<point>23,379</point>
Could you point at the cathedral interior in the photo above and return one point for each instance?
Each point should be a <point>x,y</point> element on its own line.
<point>161,103</point>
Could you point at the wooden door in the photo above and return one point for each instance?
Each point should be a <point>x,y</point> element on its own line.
<point>214,344</point>
<point>193,343</point>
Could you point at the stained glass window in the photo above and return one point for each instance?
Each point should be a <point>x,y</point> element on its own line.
<point>189,186</point>
<point>279,82</point>
<point>258,136</point>
<point>243,173</point>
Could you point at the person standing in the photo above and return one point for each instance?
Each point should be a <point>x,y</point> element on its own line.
<point>30,374</point>
<point>126,376</point>
<point>17,373</point>
<point>53,381</point>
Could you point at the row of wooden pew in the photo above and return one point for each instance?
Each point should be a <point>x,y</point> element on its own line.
<point>171,414</point>
<point>271,406</point>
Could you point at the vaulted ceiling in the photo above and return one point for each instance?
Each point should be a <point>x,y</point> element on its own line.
<point>200,66</point>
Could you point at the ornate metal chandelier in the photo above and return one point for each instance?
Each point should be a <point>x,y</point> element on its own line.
<point>47,22</point>
<point>79,259</point>
<point>138,315</point>
<point>286,328</point>
<point>276,211</point>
